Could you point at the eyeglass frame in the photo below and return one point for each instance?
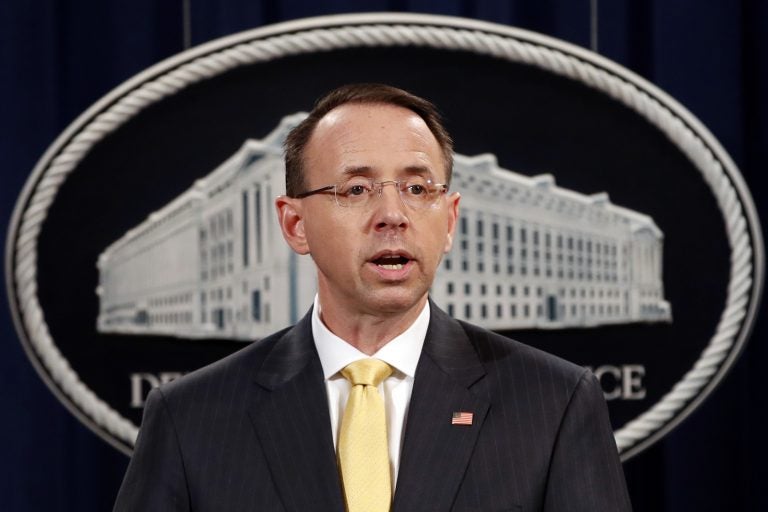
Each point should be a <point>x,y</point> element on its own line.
<point>378,187</point>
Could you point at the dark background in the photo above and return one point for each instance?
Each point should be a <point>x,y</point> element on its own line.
<point>57,58</point>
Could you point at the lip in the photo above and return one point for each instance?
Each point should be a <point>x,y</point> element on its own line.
<point>391,252</point>
<point>392,274</point>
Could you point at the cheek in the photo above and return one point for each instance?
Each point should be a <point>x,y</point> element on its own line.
<point>331,240</point>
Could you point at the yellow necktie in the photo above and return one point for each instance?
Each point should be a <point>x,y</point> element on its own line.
<point>363,453</point>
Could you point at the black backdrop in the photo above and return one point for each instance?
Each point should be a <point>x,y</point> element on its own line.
<point>58,57</point>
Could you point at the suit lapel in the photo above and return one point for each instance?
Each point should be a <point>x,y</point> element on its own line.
<point>436,452</point>
<point>290,415</point>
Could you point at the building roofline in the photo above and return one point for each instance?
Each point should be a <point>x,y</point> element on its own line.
<point>487,163</point>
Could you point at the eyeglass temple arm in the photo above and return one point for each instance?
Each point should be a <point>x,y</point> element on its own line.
<point>312,192</point>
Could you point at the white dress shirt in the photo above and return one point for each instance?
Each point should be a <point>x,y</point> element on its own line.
<point>401,353</point>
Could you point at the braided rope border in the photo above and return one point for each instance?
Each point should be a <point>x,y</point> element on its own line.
<point>375,30</point>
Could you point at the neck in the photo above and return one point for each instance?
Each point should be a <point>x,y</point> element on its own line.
<point>368,332</point>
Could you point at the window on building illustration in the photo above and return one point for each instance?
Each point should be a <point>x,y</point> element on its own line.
<point>513,290</point>
<point>483,289</point>
<point>495,267</point>
<point>450,310</point>
<point>450,288</point>
<point>256,305</point>
<point>468,311</point>
<point>526,291</point>
<point>480,266</point>
<point>257,223</point>
<point>539,311</point>
<point>523,270</point>
<point>467,288</point>
<point>498,289</point>
<point>447,263</point>
<point>465,265</point>
<point>513,310</point>
<point>526,310</point>
<point>499,311</point>
<point>479,227</point>
<point>510,233</point>
<point>464,245</point>
<point>244,235</point>
<point>510,269</point>
<point>523,235</point>
<point>535,237</point>
<point>495,230</point>
<point>463,224</point>
<point>484,311</point>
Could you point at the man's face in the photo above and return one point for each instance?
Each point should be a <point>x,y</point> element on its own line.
<point>379,259</point>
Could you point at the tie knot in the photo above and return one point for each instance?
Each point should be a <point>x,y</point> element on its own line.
<point>368,372</point>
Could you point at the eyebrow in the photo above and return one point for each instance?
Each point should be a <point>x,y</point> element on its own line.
<point>367,170</point>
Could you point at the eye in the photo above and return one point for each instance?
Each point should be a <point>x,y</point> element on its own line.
<point>417,190</point>
<point>356,190</point>
<point>356,187</point>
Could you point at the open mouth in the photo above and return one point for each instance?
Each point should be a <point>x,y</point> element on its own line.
<point>391,261</point>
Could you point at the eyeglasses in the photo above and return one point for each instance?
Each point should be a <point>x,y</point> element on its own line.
<point>418,192</point>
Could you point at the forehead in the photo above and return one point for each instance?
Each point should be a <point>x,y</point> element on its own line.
<point>382,139</point>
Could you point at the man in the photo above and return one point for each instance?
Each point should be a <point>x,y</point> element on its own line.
<point>448,416</point>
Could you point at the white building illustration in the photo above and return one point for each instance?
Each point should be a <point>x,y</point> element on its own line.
<point>527,254</point>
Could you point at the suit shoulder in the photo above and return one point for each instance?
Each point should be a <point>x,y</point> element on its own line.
<point>231,370</point>
<point>495,349</point>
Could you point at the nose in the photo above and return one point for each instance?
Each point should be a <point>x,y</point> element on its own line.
<point>389,210</point>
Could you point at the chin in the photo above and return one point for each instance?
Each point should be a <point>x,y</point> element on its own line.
<point>399,302</point>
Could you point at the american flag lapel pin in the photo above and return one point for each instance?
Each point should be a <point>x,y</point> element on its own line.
<point>461,418</point>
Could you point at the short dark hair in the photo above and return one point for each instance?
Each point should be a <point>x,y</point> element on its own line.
<point>298,138</point>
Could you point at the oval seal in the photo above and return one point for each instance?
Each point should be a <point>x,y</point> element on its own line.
<point>601,221</point>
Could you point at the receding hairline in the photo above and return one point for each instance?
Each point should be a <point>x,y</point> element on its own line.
<point>298,139</point>
<point>364,102</point>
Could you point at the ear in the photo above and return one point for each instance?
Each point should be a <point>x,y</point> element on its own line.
<point>453,219</point>
<point>290,216</point>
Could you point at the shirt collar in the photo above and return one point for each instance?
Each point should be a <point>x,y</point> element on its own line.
<point>402,352</point>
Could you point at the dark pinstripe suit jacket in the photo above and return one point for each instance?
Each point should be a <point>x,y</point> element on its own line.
<point>252,432</point>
